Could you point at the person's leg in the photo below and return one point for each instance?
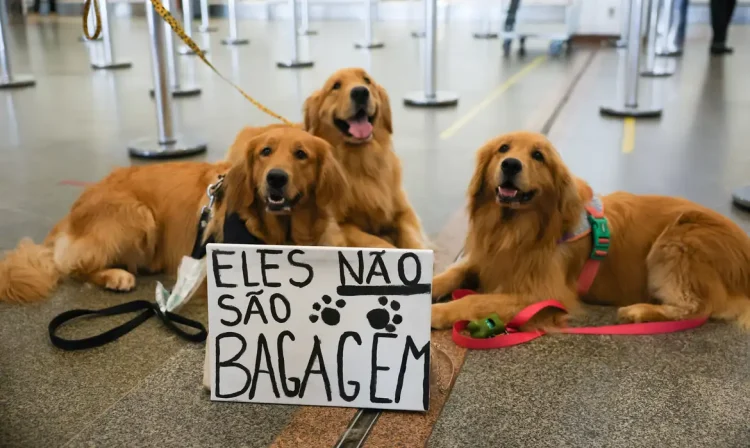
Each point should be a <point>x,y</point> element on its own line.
<point>36,6</point>
<point>53,6</point>
<point>721,16</point>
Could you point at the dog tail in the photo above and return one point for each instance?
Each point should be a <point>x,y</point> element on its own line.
<point>28,273</point>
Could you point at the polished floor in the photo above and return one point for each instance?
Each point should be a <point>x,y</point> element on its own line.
<point>687,389</point>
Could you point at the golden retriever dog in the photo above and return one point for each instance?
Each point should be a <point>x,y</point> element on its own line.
<point>353,113</point>
<point>146,217</point>
<point>669,258</point>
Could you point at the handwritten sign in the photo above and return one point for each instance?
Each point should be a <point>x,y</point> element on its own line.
<point>319,325</point>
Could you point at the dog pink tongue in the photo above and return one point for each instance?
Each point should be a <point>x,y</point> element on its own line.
<point>508,192</point>
<point>360,128</point>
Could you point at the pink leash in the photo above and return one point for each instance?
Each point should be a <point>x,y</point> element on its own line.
<point>515,336</point>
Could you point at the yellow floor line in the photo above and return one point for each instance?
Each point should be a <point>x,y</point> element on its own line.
<point>461,122</point>
<point>628,135</point>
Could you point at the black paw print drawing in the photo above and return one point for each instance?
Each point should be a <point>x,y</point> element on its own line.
<point>329,315</point>
<point>380,318</point>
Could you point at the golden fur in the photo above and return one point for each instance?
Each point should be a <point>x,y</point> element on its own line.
<point>377,214</point>
<point>145,217</point>
<point>669,259</point>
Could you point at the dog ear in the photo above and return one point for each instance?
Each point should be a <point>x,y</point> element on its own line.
<point>385,108</point>
<point>476,185</point>
<point>239,188</point>
<point>332,186</point>
<point>311,111</point>
<point>574,193</point>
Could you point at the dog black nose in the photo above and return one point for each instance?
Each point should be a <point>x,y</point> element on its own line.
<point>277,178</point>
<point>511,166</point>
<point>360,95</point>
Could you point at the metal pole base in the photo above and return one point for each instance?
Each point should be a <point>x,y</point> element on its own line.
<point>669,53</point>
<point>17,81</point>
<point>635,112</point>
<point>207,29</point>
<point>150,148</point>
<point>182,91</point>
<point>295,64</point>
<point>370,45</point>
<point>187,51</point>
<point>112,66</point>
<point>657,73</point>
<point>485,35</point>
<point>235,41</point>
<point>307,33</point>
<point>741,198</point>
<point>417,34</point>
<point>440,99</point>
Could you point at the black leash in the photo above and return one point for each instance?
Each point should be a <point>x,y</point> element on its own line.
<point>235,232</point>
<point>149,309</point>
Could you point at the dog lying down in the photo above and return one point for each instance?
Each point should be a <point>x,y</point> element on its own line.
<point>669,258</point>
<point>146,217</point>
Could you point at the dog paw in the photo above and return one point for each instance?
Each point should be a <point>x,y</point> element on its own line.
<point>632,313</point>
<point>119,280</point>
<point>440,319</point>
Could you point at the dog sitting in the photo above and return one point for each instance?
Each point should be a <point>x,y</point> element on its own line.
<point>353,113</point>
<point>146,217</point>
<point>669,259</point>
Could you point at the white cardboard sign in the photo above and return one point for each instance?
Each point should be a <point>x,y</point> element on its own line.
<point>319,325</point>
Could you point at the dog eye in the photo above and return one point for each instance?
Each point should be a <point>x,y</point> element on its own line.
<point>336,85</point>
<point>537,155</point>
<point>367,80</point>
<point>300,154</point>
<point>503,149</point>
<point>265,151</point>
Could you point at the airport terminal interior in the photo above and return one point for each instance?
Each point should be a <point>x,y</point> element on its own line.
<point>76,123</point>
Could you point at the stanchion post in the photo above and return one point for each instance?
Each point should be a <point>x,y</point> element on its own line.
<point>205,26</point>
<point>624,24</point>
<point>176,86</point>
<point>168,144</point>
<point>668,38</point>
<point>109,61</point>
<point>632,59</point>
<point>429,97</point>
<point>421,33</point>
<point>369,41</point>
<point>304,29</point>
<point>295,61</point>
<point>741,198</point>
<point>7,79</point>
<point>233,38</point>
<point>651,69</point>
<point>187,25</point>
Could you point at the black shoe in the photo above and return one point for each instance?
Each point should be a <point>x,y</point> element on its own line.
<point>721,49</point>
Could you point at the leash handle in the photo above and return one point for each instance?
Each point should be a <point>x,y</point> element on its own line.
<point>516,337</point>
<point>149,309</point>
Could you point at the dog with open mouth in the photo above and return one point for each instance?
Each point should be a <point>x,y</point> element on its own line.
<point>352,112</point>
<point>145,218</point>
<point>532,233</point>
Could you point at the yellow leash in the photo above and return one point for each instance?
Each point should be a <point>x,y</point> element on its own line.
<point>172,22</point>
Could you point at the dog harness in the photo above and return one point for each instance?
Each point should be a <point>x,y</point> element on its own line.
<point>594,223</point>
